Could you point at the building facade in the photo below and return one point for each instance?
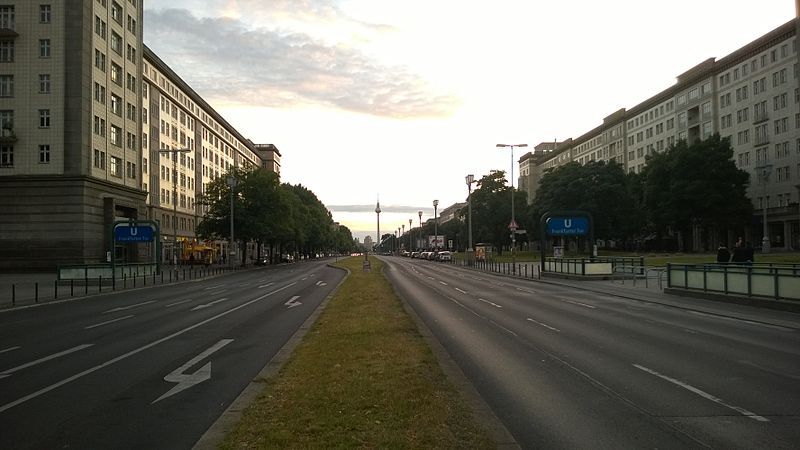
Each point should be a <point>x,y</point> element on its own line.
<point>751,97</point>
<point>85,110</point>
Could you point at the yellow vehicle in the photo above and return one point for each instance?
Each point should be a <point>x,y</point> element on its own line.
<point>197,253</point>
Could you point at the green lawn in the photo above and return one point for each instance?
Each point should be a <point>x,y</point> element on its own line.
<point>363,377</point>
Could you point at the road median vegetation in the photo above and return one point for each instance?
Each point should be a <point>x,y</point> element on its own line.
<point>362,377</point>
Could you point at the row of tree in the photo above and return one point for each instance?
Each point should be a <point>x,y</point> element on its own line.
<point>684,190</point>
<point>281,217</point>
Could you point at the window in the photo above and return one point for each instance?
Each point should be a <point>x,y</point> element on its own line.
<point>115,166</point>
<point>132,25</point>
<point>131,141</point>
<point>115,135</point>
<point>779,77</point>
<point>116,74</point>
<point>44,118</point>
<point>116,12</point>
<point>100,60</point>
<point>7,119</point>
<point>131,112</point>
<point>99,126</point>
<point>759,86</point>
<point>100,27</point>
<point>116,43</point>
<point>706,109</point>
<point>144,140</point>
<point>100,93</point>
<point>779,102</point>
<point>6,155</point>
<point>782,150</point>
<point>781,125</point>
<point>99,159</point>
<point>44,13</point>
<point>7,17</point>
<point>44,48</point>
<point>131,82</point>
<point>131,54</point>
<point>44,154</point>
<point>116,105</point>
<point>725,100</point>
<point>742,115</point>
<point>44,83</point>
<point>130,170</point>
<point>6,51</point>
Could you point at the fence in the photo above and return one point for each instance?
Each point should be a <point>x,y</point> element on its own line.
<point>774,281</point>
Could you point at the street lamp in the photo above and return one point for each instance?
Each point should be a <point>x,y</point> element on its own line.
<point>798,210</point>
<point>420,225</point>
<point>174,152</point>
<point>435,226</point>
<point>469,179</point>
<point>378,213</point>
<point>232,183</point>
<point>409,235</point>
<point>404,230</point>
<point>763,175</point>
<point>513,225</point>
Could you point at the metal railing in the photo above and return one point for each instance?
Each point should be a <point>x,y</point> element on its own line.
<point>639,272</point>
<point>775,281</point>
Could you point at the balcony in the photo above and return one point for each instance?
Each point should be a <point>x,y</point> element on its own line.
<point>7,136</point>
<point>8,33</point>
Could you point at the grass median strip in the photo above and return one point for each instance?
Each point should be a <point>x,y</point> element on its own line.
<point>362,377</point>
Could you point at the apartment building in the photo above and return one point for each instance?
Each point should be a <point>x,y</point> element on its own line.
<point>751,97</point>
<point>89,117</point>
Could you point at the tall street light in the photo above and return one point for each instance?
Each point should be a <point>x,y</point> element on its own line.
<point>513,225</point>
<point>763,175</point>
<point>420,226</point>
<point>174,155</point>
<point>409,235</point>
<point>435,226</point>
<point>232,183</point>
<point>470,179</point>
<point>378,213</point>
<point>404,230</point>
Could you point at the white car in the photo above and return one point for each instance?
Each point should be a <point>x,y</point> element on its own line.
<point>445,256</point>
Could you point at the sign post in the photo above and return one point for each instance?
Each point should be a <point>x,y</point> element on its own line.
<point>566,223</point>
<point>132,231</point>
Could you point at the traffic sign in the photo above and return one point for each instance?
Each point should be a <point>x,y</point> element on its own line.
<point>513,225</point>
<point>128,233</point>
<point>567,226</point>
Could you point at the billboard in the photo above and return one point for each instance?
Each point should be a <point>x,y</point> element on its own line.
<point>436,241</point>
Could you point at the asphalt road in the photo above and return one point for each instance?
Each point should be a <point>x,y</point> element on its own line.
<point>570,368</point>
<point>148,368</point>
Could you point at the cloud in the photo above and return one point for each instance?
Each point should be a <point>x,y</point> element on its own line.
<point>384,209</point>
<point>225,60</point>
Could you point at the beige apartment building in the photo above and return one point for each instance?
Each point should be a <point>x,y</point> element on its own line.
<point>751,97</point>
<point>85,110</point>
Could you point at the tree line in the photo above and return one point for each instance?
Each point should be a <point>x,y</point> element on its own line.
<point>283,218</point>
<point>684,195</point>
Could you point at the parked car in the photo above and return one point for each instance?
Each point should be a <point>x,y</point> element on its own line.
<point>287,258</point>
<point>444,256</point>
<point>414,255</point>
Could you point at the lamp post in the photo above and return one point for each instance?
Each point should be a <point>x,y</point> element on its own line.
<point>435,226</point>
<point>394,244</point>
<point>409,236</point>
<point>513,225</point>
<point>420,225</point>
<point>232,183</point>
<point>469,179</point>
<point>378,213</point>
<point>404,230</point>
<point>763,174</point>
<point>798,211</point>
<point>174,155</point>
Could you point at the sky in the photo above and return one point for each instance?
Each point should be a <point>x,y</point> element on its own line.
<point>373,100</point>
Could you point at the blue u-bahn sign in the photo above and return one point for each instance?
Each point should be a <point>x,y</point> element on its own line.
<point>131,233</point>
<point>568,226</point>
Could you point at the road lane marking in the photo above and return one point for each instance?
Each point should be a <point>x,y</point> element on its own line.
<point>544,325</point>
<point>736,319</point>
<point>152,344</point>
<point>10,349</point>
<point>491,303</point>
<point>527,290</point>
<point>291,303</point>
<point>216,286</point>
<point>118,319</point>
<point>704,394</point>
<point>184,380</point>
<point>8,372</point>
<point>321,283</point>
<point>209,304</point>
<point>124,308</point>
<point>265,285</point>
<point>461,290</point>
<point>178,303</point>
<point>431,278</point>
<point>442,282</point>
<point>575,302</point>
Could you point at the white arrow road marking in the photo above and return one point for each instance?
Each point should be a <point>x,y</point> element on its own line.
<point>178,303</point>
<point>292,302</point>
<point>209,304</point>
<point>265,285</point>
<point>123,308</point>
<point>491,303</point>
<point>187,380</point>
<point>704,394</point>
<point>8,372</point>
<point>10,349</point>
<point>544,325</point>
<point>321,283</point>
<point>118,319</point>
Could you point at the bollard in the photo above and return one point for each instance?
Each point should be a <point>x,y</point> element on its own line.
<point>526,271</point>
<point>124,281</point>
<point>86,284</point>
<point>162,277</point>
<point>184,274</point>
<point>170,275</point>
<point>100,284</point>
<point>36,292</point>
<point>71,288</point>
<point>113,281</point>
<point>134,281</point>
<point>13,294</point>
<point>154,278</point>
<point>55,290</point>
<point>144,279</point>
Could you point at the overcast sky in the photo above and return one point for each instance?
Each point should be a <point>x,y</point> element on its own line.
<point>401,100</point>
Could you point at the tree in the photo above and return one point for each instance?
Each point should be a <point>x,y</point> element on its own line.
<point>491,210</point>
<point>696,185</point>
<point>601,188</point>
